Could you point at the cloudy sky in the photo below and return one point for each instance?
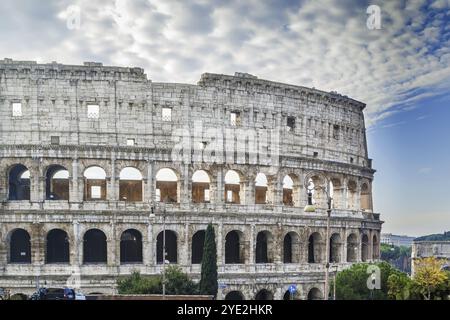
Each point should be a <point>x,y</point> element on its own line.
<point>402,70</point>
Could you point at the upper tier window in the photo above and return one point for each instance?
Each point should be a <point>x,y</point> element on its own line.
<point>235,118</point>
<point>17,109</point>
<point>93,111</point>
<point>167,114</point>
<point>290,123</point>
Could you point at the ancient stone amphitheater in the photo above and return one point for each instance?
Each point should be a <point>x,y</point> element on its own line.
<point>96,161</point>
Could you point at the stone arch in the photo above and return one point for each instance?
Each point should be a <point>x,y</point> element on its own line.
<point>130,184</point>
<point>167,185</point>
<point>94,183</point>
<point>291,247</point>
<point>264,250</point>
<point>261,188</point>
<point>57,247</point>
<point>201,182</point>
<point>352,248</point>
<point>352,187</point>
<point>315,294</point>
<point>57,182</point>
<point>315,248</point>
<point>234,295</point>
<point>234,186</point>
<point>335,248</point>
<point>366,197</point>
<point>315,194</point>
<point>364,248</point>
<point>94,247</point>
<point>19,182</point>
<point>264,294</point>
<point>290,189</point>
<point>19,246</point>
<point>375,247</point>
<point>198,241</point>
<point>234,247</point>
<point>131,246</point>
<point>170,244</point>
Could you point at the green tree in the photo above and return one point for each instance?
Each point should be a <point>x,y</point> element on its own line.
<point>177,283</point>
<point>399,286</point>
<point>351,283</point>
<point>208,280</point>
<point>429,276</point>
<point>138,284</point>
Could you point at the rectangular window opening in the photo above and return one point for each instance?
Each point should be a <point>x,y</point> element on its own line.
<point>17,109</point>
<point>96,192</point>
<point>130,142</point>
<point>167,114</point>
<point>93,111</point>
<point>235,118</point>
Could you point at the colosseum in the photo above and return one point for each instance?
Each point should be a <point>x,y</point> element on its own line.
<point>96,161</point>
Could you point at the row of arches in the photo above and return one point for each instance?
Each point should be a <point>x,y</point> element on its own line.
<point>57,247</point>
<point>57,186</point>
<point>265,294</point>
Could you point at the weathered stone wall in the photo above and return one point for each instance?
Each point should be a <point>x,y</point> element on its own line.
<point>328,140</point>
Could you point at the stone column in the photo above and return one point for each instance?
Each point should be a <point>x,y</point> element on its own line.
<point>147,247</point>
<point>186,191</point>
<point>112,183</point>
<point>185,252</point>
<point>149,191</point>
<point>344,246</point>
<point>345,194</point>
<point>251,246</point>
<point>247,191</point>
<point>75,194</point>
<point>220,186</point>
<point>220,251</point>
<point>77,245</point>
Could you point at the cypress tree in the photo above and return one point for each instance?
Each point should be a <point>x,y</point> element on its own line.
<point>208,280</point>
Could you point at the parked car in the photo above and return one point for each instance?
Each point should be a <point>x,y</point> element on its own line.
<point>54,294</point>
<point>80,296</point>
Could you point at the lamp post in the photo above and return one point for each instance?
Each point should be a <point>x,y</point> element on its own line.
<point>310,208</point>
<point>152,215</point>
<point>335,269</point>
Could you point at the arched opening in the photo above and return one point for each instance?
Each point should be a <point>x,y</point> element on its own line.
<point>351,195</point>
<point>94,247</point>
<point>335,248</point>
<point>261,189</point>
<point>94,184</point>
<point>198,241</point>
<point>315,294</point>
<point>263,252</point>
<point>130,185</point>
<point>200,187</point>
<point>315,248</point>
<point>167,186</point>
<point>364,248</point>
<point>57,183</point>
<point>232,187</point>
<point>315,194</point>
<point>234,295</point>
<point>131,246</point>
<point>19,183</point>
<point>264,295</point>
<point>288,296</point>
<point>337,192</point>
<point>171,247</point>
<point>291,248</point>
<point>234,247</point>
<point>366,199</point>
<point>288,187</point>
<point>375,248</point>
<point>57,247</point>
<point>352,248</point>
<point>19,247</point>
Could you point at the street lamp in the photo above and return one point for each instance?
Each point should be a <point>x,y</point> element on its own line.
<point>335,269</point>
<point>310,208</point>
<point>164,249</point>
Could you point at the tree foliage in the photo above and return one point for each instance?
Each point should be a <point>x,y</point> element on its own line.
<point>177,283</point>
<point>429,276</point>
<point>351,284</point>
<point>208,282</point>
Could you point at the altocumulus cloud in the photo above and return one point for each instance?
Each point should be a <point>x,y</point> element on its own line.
<point>322,44</point>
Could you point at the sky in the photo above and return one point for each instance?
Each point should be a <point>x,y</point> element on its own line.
<point>401,70</point>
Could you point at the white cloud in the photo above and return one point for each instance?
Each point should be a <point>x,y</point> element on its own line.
<point>322,44</point>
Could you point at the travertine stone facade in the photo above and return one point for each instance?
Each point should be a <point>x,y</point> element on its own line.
<point>424,249</point>
<point>313,135</point>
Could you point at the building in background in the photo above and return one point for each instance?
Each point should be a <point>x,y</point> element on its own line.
<point>435,245</point>
<point>397,240</point>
